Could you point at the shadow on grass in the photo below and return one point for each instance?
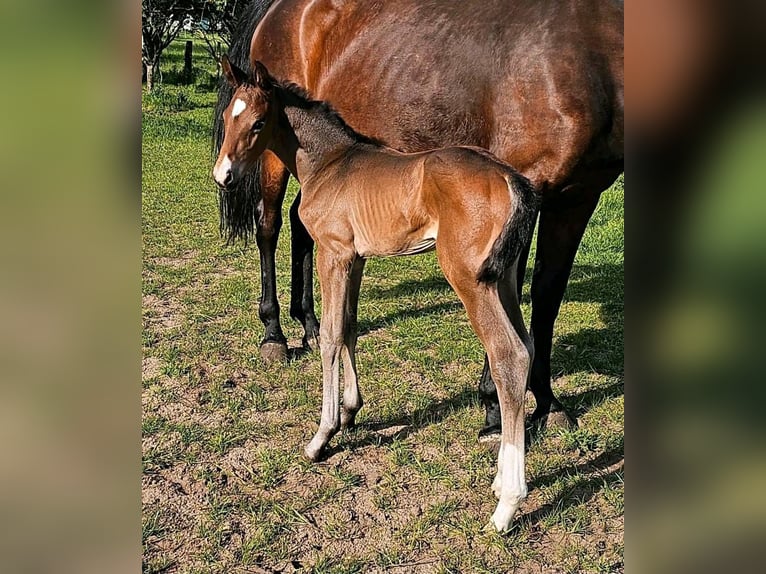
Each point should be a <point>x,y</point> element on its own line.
<point>606,469</point>
<point>369,325</point>
<point>598,465</point>
<point>410,423</point>
<point>595,350</point>
<point>580,494</point>
<point>437,411</point>
<point>598,350</point>
<point>580,403</point>
<point>434,283</point>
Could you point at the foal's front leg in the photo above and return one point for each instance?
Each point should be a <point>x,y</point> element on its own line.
<point>334,278</point>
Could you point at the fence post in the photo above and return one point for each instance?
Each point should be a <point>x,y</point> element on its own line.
<point>188,61</point>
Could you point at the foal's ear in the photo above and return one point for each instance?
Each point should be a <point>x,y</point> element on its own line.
<point>261,76</point>
<point>233,74</point>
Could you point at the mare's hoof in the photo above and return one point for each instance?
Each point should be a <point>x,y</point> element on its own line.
<point>561,420</point>
<point>273,352</point>
<point>311,342</point>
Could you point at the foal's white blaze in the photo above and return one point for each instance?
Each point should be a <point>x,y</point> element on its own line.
<point>222,170</point>
<point>239,107</point>
<point>513,488</point>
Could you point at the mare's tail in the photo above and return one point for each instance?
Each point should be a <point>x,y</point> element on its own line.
<point>516,233</point>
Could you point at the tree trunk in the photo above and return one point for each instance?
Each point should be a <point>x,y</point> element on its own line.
<point>153,76</point>
<point>150,68</point>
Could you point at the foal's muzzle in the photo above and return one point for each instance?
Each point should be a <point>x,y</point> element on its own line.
<point>223,174</point>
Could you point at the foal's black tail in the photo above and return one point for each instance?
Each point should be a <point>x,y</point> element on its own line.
<point>517,232</point>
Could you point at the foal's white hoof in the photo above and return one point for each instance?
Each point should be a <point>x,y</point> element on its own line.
<point>313,451</point>
<point>502,518</point>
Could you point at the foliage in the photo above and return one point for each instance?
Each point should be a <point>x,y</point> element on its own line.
<point>222,18</point>
<point>163,20</point>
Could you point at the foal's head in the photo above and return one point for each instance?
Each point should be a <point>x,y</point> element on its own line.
<point>249,122</point>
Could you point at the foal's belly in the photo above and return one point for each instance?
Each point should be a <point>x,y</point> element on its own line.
<point>383,243</point>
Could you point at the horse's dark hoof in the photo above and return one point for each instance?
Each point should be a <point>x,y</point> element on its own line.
<point>311,342</point>
<point>273,352</point>
<point>558,419</point>
<point>561,420</point>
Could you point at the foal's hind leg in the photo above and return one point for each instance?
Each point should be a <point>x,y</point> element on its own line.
<point>335,272</point>
<point>508,352</point>
<point>487,390</point>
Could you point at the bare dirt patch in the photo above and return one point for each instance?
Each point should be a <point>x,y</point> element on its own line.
<point>161,312</point>
<point>186,259</point>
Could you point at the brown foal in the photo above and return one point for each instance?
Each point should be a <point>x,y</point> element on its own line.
<point>361,199</point>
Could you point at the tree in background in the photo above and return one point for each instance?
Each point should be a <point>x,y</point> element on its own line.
<point>222,18</point>
<point>163,20</point>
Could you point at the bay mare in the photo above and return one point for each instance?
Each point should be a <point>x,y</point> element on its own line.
<point>362,199</point>
<point>539,83</point>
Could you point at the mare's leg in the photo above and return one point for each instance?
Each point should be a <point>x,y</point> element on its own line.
<point>274,178</point>
<point>334,278</point>
<point>302,285</point>
<point>562,224</point>
<point>488,397</point>
<point>487,389</point>
<point>508,350</point>
<point>352,398</point>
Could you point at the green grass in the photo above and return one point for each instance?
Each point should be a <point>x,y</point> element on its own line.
<point>225,485</point>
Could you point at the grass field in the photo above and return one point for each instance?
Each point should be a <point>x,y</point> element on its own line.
<point>225,487</point>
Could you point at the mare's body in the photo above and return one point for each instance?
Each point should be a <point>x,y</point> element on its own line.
<point>539,83</point>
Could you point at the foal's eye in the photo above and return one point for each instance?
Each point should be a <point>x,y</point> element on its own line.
<point>257,126</point>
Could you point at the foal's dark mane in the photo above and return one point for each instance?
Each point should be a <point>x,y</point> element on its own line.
<point>299,97</point>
